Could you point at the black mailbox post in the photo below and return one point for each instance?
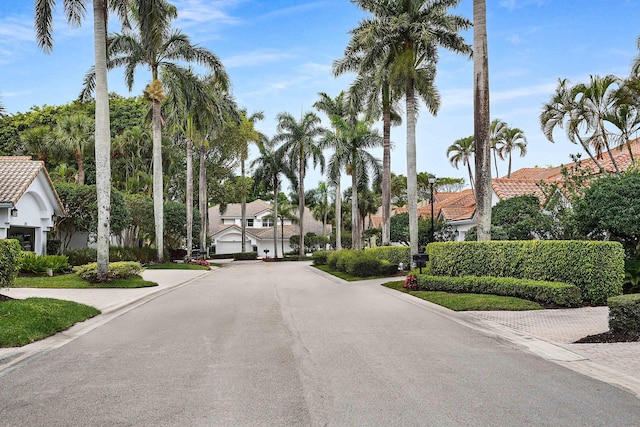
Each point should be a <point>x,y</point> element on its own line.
<point>420,260</point>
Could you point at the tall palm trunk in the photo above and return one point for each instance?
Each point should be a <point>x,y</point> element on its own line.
<point>470,176</point>
<point>481,120</point>
<point>189,197</point>
<point>356,241</point>
<point>202,195</point>
<point>301,202</point>
<point>80,162</point>
<point>588,151</point>
<point>276,186</point>
<point>386,166</point>
<point>243,208</point>
<point>412,198</point>
<point>338,221</point>
<point>158,191</point>
<point>102,138</point>
<point>606,144</point>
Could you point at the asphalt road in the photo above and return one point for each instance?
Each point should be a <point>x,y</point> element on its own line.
<point>280,345</point>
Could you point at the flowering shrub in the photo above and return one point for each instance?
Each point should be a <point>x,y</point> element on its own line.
<point>411,283</point>
<point>203,262</point>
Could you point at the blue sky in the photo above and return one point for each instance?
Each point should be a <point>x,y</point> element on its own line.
<point>279,55</point>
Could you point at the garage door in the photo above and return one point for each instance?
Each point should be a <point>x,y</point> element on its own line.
<point>228,247</point>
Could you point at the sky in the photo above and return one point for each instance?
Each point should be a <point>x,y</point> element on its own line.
<point>279,54</point>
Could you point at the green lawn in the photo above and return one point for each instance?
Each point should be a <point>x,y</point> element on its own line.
<point>467,302</point>
<point>176,266</point>
<point>346,276</point>
<point>25,321</point>
<point>72,281</point>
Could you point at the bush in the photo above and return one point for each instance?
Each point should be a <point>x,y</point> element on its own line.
<point>119,253</point>
<point>117,270</point>
<point>245,256</point>
<point>332,260</point>
<point>53,247</point>
<point>386,268</point>
<point>9,261</point>
<point>81,256</point>
<point>596,268</point>
<point>177,254</point>
<point>145,255</point>
<point>393,254</point>
<point>343,259</point>
<point>549,294</point>
<point>33,264</point>
<point>362,264</point>
<point>320,257</point>
<point>203,263</point>
<point>624,313</point>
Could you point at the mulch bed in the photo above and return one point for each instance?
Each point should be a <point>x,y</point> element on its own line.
<point>609,337</point>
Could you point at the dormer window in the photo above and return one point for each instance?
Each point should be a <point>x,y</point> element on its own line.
<point>250,222</point>
<point>267,222</point>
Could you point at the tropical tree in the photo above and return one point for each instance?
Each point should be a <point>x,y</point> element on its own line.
<point>75,134</point>
<point>3,111</point>
<point>496,136</point>
<point>75,12</point>
<point>299,144</point>
<point>352,143</point>
<point>152,43</point>
<point>461,151</point>
<point>514,139</point>
<point>37,141</point>
<point>481,118</point>
<point>407,35</point>
<point>321,208</point>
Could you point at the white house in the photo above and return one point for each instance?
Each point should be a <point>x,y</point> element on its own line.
<point>29,203</point>
<point>226,233</point>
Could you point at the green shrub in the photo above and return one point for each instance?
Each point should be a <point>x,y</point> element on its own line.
<point>145,255</point>
<point>243,256</point>
<point>119,253</point>
<point>117,270</point>
<point>81,256</point>
<point>393,254</point>
<point>624,313</point>
<point>595,267</point>
<point>53,247</point>
<point>343,259</point>
<point>34,264</point>
<point>362,264</point>
<point>320,257</point>
<point>332,260</point>
<point>387,268</point>
<point>549,294</point>
<point>9,261</point>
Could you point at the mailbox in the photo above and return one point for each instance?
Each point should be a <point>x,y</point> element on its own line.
<point>420,260</point>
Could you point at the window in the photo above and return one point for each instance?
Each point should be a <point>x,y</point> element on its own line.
<point>250,222</point>
<point>267,222</point>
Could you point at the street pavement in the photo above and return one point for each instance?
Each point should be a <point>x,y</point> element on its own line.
<point>284,344</point>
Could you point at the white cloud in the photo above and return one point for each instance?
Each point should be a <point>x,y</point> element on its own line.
<point>519,4</point>
<point>255,58</point>
<point>300,8</point>
<point>16,28</point>
<point>193,12</point>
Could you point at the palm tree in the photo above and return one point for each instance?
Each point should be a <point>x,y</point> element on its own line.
<point>38,141</point>
<point>461,151</point>
<point>496,136</point>
<point>154,44</point>
<point>75,133</point>
<point>246,134</point>
<point>321,209</point>
<point>75,12</point>
<point>351,155</point>
<point>335,107</point>
<point>563,111</point>
<point>407,35</point>
<point>481,118</point>
<point>514,139</point>
<point>299,145</point>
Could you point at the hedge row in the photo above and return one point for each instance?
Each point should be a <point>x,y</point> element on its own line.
<point>244,256</point>
<point>549,294</point>
<point>595,267</point>
<point>356,263</point>
<point>82,256</point>
<point>393,254</point>
<point>9,261</point>
<point>624,313</point>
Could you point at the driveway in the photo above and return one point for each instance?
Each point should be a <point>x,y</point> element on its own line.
<point>279,344</point>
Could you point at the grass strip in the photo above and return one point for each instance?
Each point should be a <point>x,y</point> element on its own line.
<point>346,276</point>
<point>468,302</point>
<point>32,319</point>
<point>72,281</point>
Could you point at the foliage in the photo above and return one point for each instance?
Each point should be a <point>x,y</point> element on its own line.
<point>53,246</point>
<point>521,218</point>
<point>312,242</point>
<point>610,208</point>
<point>245,256</point>
<point>32,319</point>
<point>9,261</point>
<point>203,263</point>
<point>81,256</point>
<point>320,257</point>
<point>117,270</point>
<point>596,268</point>
<point>497,233</point>
<point>624,313</point>
<point>393,254</point>
<point>399,230</point>
<point>361,263</point>
<point>411,282</point>
<point>175,224</point>
<point>36,264</point>
<point>345,239</point>
<point>549,294</point>
<point>631,276</point>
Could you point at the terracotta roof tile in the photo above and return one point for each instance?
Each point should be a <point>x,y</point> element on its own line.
<point>16,175</point>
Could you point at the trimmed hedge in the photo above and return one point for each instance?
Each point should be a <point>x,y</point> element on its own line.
<point>320,257</point>
<point>595,267</point>
<point>244,256</point>
<point>357,263</point>
<point>549,294</point>
<point>393,254</point>
<point>9,261</point>
<point>624,313</point>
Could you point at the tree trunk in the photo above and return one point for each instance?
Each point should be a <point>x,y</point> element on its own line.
<point>470,176</point>
<point>386,166</point>
<point>80,162</point>
<point>509,170</point>
<point>243,209</point>
<point>202,195</point>
<point>356,241</point>
<point>158,190</point>
<point>301,202</point>
<point>189,197</point>
<point>338,221</point>
<point>481,121</point>
<point>102,138</point>
<point>412,199</point>
<point>276,186</point>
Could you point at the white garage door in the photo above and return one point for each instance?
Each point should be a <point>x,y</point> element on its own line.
<point>228,247</point>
